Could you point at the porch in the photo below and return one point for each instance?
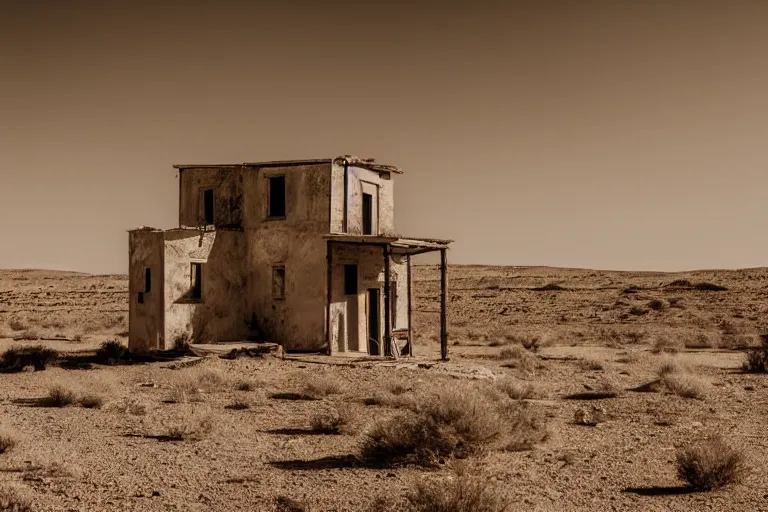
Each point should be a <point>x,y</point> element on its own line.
<point>367,323</point>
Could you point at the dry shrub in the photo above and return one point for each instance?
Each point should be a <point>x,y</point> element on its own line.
<point>518,390</point>
<point>672,365</point>
<point>286,504</point>
<point>591,364</point>
<point>657,305</point>
<point>7,441</point>
<point>188,384</point>
<point>245,385</point>
<point>91,400</point>
<point>318,386</point>
<point>463,493</point>
<point>757,358</point>
<point>666,345</point>
<point>398,387</point>
<point>387,399</point>
<point>14,499</point>
<point>50,470</point>
<point>17,358</point>
<point>456,423</point>
<point>112,352</point>
<point>710,464</point>
<point>131,406</point>
<point>194,425</point>
<point>60,396</point>
<point>699,340</point>
<point>685,385</point>
<point>239,405</point>
<point>527,427</point>
<point>638,310</point>
<point>330,422</point>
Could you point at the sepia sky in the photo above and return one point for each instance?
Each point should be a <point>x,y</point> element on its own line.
<point>615,135</point>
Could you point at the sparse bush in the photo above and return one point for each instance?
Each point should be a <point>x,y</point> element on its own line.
<point>7,441</point>
<point>710,464</point>
<point>517,390</point>
<point>187,385</point>
<point>398,388</point>
<point>239,405</point>
<point>319,386</point>
<point>245,385</point>
<point>671,346</point>
<point>684,385</point>
<point>657,305</point>
<point>13,499</point>
<point>191,426</point>
<point>699,340</point>
<point>91,401</point>
<point>456,423</point>
<point>17,358</point>
<point>527,427</point>
<point>463,493</point>
<point>757,358</point>
<point>638,310</point>
<point>672,365</point>
<point>590,363</point>
<point>112,352</point>
<point>60,396</point>
<point>286,504</point>
<point>330,422</point>
<point>549,287</point>
<point>506,354</point>
<point>17,324</point>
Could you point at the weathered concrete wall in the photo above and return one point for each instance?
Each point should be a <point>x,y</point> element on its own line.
<point>349,320</point>
<point>337,197</point>
<point>145,321</point>
<point>220,314</point>
<point>227,185</point>
<point>296,243</point>
<point>386,205</point>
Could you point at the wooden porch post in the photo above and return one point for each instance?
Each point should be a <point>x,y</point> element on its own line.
<point>387,327</point>
<point>443,292</point>
<point>410,321</point>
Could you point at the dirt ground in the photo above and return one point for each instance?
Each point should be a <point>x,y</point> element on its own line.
<point>585,329</point>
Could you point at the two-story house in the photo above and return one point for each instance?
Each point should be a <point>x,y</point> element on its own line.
<point>302,253</point>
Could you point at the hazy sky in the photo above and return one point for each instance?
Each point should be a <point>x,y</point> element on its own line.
<point>616,134</point>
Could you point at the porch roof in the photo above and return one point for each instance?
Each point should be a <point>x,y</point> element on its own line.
<point>397,245</point>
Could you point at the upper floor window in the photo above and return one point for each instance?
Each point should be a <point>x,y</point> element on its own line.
<point>367,214</point>
<point>208,208</point>
<point>276,196</point>
<point>147,280</point>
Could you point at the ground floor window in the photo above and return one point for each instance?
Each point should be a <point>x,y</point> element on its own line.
<point>278,282</point>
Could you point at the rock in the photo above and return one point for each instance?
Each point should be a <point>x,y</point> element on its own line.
<point>590,417</point>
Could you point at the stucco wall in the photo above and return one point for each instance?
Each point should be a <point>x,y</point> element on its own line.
<point>145,324</point>
<point>227,185</point>
<point>349,311</point>
<point>296,243</point>
<point>386,215</point>
<point>220,314</point>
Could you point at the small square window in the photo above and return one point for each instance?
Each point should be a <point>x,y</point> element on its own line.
<point>350,279</point>
<point>197,281</point>
<point>278,282</point>
<point>276,196</point>
<point>140,298</point>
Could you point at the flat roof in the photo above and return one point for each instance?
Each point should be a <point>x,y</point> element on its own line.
<point>365,163</point>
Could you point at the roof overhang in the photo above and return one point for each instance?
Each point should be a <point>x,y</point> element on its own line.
<point>397,245</point>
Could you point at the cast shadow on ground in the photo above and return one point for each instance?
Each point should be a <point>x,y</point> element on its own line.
<point>660,490</point>
<point>295,432</point>
<point>337,462</point>
<point>36,402</point>
<point>156,437</point>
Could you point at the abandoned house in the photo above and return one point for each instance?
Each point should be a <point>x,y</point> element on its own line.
<point>301,253</point>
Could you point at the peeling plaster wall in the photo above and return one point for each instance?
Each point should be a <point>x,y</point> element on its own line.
<point>145,321</point>
<point>227,185</point>
<point>220,315</point>
<point>350,312</point>
<point>296,243</point>
<point>386,201</point>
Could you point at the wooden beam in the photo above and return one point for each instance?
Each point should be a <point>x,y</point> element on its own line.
<point>443,293</point>
<point>329,298</point>
<point>387,327</point>
<point>410,308</point>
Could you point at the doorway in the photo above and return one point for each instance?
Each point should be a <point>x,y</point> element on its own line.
<point>374,322</point>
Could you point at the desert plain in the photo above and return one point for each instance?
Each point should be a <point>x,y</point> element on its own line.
<point>602,376</point>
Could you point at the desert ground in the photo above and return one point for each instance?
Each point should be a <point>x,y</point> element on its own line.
<point>594,380</point>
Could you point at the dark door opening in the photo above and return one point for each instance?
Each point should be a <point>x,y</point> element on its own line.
<point>197,281</point>
<point>208,206</point>
<point>367,214</point>
<point>374,332</point>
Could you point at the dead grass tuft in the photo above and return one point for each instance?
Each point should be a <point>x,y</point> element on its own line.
<point>194,425</point>
<point>710,464</point>
<point>14,499</point>
<point>60,396</point>
<point>518,390</point>
<point>330,422</point>
<point>685,385</point>
<point>463,493</point>
<point>7,441</point>
<point>666,345</point>
<point>319,386</point>
<point>91,401</point>
<point>591,364</point>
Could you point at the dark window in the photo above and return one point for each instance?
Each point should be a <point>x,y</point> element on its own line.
<point>277,196</point>
<point>141,298</point>
<point>197,281</point>
<point>278,282</point>
<point>367,214</point>
<point>147,280</point>
<point>350,279</point>
<point>208,206</point>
